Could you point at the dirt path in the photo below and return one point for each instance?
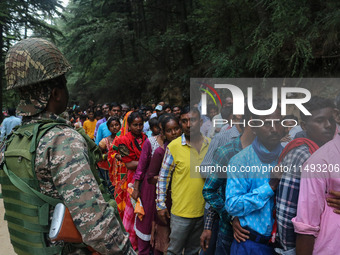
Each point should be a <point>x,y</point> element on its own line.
<point>6,246</point>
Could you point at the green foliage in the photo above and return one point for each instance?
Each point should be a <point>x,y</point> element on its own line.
<point>143,51</point>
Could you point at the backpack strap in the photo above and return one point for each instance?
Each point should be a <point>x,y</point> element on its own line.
<point>40,130</point>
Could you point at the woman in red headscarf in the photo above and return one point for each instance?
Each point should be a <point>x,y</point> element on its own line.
<point>117,170</point>
<point>129,147</point>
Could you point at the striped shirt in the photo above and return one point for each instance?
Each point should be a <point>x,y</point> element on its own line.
<point>210,218</point>
<point>288,194</point>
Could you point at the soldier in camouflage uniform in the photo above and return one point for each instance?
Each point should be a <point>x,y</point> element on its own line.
<point>36,68</point>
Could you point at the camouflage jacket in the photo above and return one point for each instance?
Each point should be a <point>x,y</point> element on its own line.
<point>63,171</point>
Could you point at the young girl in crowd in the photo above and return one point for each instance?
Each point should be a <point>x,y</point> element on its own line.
<point>170,130</point>
<point>118,170</point>
<point>113,124</point>
<point>130,147</point>
<point>154,128</point>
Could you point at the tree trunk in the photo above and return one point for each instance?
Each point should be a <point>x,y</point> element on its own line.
<point>133,28</point>
<point>26,22</point>
<point>1,65</point>
<point>187,50</point>
<point>141,5</point>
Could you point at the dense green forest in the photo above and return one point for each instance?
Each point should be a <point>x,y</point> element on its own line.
<point>142,51</point>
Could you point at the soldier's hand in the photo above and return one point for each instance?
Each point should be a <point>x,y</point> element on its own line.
<point>240,234</point>
<point>334,201</point>
<point>205,239</point>
<point>164,215</point>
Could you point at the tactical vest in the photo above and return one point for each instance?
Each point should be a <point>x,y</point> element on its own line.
<point>27,210</point>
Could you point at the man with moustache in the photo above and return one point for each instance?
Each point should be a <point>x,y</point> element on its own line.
<point>106,113</point>
<point>249,194</point>
<point>176,110</point>
<point>187,210</point>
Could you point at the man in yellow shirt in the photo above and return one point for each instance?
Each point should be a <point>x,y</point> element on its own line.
<point>181,158</point>
<point>90,124</point>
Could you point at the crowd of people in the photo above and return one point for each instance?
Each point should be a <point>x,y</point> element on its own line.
<point>277,193</point>
<point>156,149</point>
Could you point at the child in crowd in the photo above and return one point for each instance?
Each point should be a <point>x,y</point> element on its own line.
<point>154,128</point>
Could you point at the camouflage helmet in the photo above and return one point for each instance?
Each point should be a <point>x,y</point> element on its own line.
<point>33,60</point>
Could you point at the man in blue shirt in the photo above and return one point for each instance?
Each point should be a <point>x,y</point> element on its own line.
<point>9,123</point>
<point>249,194</point>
